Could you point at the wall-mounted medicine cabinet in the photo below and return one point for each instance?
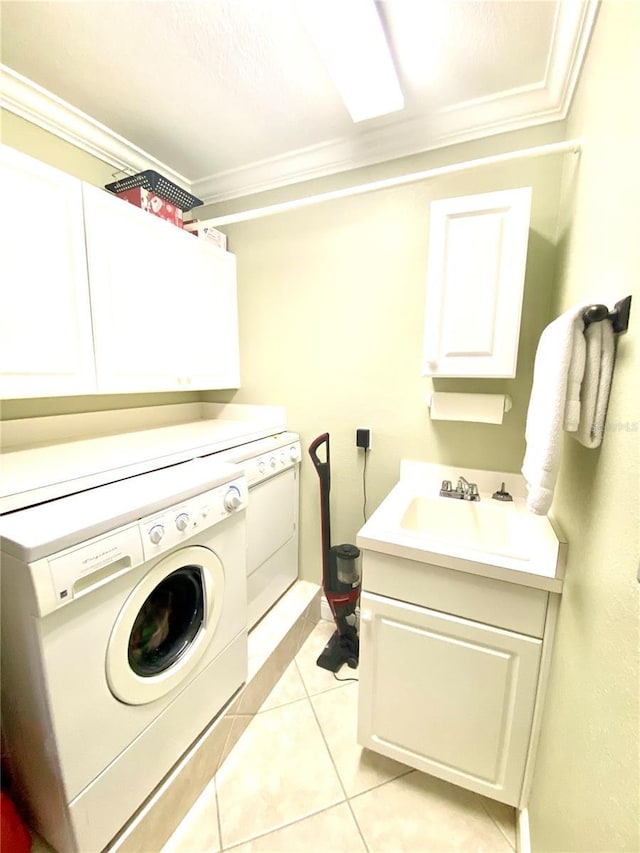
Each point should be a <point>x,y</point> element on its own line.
<point>475,282</point>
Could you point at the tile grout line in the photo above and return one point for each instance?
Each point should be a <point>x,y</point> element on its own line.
<point>495,822</point>
<point>307,698</point>
<point>279,828</point>
<point>229,733</point>
<point>223,757</point>
<point>223,849</point>
<point>346,796</point>
<point>218,815</point>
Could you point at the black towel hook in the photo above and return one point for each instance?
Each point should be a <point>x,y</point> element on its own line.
<point>619,316</point>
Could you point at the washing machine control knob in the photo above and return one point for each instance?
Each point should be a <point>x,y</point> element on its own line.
<point>294,452</point>
<point>156,533</point>
<point>233,499</point>
<point>272,462</point>
<point>182,521</point>
<point>262,466</point>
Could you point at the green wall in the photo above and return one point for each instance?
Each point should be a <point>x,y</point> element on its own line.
<point>45,146</point>
<point>331,302</point>
<point>586,791</point>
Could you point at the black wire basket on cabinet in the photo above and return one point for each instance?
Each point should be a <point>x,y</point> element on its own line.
<point>158,184</point>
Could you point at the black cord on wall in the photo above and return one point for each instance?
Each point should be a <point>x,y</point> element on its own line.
<point>364,485</point>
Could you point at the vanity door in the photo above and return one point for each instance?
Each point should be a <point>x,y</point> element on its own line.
<point>448,696</point>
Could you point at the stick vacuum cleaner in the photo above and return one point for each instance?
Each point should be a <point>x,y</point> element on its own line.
<point>340,576</point>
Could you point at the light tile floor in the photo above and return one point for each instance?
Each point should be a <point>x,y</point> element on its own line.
<point>297,781</point>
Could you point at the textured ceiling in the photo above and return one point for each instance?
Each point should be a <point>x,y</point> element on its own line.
<point>231,95</point>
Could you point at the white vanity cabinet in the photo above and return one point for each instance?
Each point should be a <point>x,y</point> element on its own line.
<point>45,319</point>
<point>475,282</point>
<point>163,302</point>
<point>450,672</point>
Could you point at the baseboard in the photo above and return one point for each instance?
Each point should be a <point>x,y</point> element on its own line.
<point>523,834</point>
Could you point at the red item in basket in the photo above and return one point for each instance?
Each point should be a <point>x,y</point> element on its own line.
<point>14,835</point>
<point>152,203</point>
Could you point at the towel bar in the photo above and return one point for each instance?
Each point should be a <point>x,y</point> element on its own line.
<point>619,316</point>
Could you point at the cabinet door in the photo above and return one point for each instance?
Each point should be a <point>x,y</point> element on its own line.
<point>45,322</point>
<point>210,348</point>
<point>448,696</point>
<point>475,281</point>
<point>164,306</point>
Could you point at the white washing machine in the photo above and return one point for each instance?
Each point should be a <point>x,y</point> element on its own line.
<point>124,615</point>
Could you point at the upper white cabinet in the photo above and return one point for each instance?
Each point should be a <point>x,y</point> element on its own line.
<point>475,281</point>
<point>45,320</point>
<point>164,302</point>
<point>105,298</point>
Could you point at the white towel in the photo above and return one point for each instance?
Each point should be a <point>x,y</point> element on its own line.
<point>561,344</point>
<point>574,383</point>
<point>596,383</point>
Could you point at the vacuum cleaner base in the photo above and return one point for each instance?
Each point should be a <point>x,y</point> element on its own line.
<point>341,649</point>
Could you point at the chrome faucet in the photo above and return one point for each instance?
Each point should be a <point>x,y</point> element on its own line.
<point>464,490</point>
<point>469,490</point>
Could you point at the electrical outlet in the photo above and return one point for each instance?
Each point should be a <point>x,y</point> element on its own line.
<point>363,438</point>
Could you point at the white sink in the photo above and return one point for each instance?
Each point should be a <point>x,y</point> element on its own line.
<point>497,539</point>
<point>496,528</point>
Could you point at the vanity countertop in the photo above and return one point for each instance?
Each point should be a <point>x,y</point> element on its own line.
<point>491,538</point>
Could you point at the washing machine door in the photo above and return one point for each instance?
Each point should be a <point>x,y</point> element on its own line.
<point>165,626</point>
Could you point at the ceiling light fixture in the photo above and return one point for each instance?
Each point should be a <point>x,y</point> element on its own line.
<point>349,37</point>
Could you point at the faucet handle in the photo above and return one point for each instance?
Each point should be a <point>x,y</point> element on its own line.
<point>445,488</point>
<point>502,494</point>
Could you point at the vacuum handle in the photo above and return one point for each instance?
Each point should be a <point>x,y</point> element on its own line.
<point>323,468</point>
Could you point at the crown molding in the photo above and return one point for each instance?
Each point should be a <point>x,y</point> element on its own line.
<point>402,139</point>
<point>26,99</point>
<point>528,106</point>
<point>572,32</point>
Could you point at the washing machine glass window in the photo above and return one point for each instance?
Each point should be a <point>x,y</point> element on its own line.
<point>168,622</point>
<point>165,625</point>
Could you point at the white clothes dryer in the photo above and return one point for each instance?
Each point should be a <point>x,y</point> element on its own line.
<point>272,468</point>
<point>124,614</point>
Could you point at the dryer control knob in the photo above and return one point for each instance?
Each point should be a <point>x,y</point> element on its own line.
<point>272,462</point>
<point>233,499</point>
<point>156,533</point>
<point>182,521</point>
<point>262,466</point>
<point>294,453</point>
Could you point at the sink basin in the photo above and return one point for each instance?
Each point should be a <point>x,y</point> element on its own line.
<point>494,539</point>
<point>494,528</point>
